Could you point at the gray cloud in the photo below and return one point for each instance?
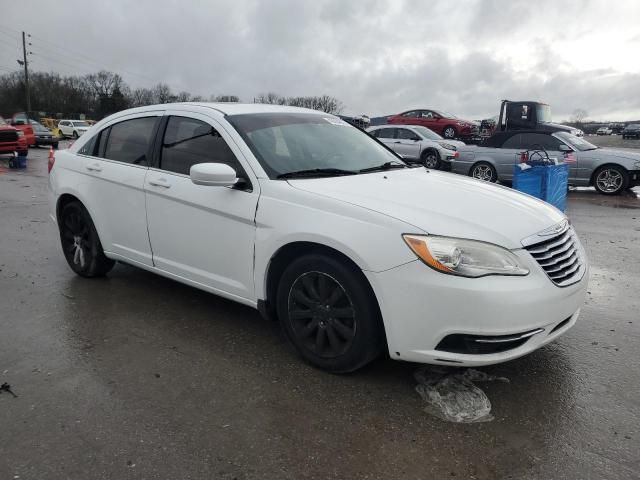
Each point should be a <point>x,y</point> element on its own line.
<point>378,57</point>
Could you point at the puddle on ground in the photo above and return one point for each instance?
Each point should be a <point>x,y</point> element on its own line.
<point>452,395</point>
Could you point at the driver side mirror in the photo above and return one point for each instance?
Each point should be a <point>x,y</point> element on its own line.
<point>213,174</point>
<point>565,148</point>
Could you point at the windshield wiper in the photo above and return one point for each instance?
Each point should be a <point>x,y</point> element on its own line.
<point>316,172</point>
<point>384,166</point>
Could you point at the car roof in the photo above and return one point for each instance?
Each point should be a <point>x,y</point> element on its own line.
<point>226,108</point>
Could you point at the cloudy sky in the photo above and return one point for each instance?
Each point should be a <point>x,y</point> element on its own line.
<point>377,57</point>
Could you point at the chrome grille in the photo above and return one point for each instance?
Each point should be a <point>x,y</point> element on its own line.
<point>560,258</point>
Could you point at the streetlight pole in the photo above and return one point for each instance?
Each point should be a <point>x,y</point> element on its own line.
<point>26,74</point>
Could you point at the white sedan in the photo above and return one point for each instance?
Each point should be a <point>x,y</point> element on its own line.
<point>311,221</point>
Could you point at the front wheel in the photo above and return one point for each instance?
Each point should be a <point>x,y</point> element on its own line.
<point>431,159</point>
<point>329,313</point>
<point>449,132</point>
<point>484,171</point>
<point>80,243</point>
<point>75,135</point>
<point>55,146</point>
<point>611,180</point>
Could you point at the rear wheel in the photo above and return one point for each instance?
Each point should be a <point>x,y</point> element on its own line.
<point>329,313</point>
<point>80,242</point>
<point>430,158</point>
<point>611,180</point>
<point>449,132</point>
<point>484,171</point>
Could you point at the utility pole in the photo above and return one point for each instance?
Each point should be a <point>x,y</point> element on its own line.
<point>26,74</point>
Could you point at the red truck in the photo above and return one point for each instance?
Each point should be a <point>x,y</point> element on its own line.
<point>22,123</point>
<point>12,140</point>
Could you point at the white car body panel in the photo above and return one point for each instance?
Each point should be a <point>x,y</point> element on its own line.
<point>222,240</point>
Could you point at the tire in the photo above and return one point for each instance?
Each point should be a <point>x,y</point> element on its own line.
<point>449,132</point>
<point>430,158</point>
<point>313,291</point>
<point>75,135</point>
<point>484,171</point>
<point>80,243</point>
<point>610,180</point>
<point>55,146</point>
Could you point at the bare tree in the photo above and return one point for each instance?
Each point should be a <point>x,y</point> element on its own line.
<point>578,116</point>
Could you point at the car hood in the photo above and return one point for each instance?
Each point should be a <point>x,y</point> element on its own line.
<point>442,204</point>
<point>611,153</point>
<point>456,143</point>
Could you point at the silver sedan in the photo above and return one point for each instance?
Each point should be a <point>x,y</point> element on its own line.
<point>609,171</point>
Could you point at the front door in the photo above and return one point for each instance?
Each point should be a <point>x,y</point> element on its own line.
<point>204,234</point>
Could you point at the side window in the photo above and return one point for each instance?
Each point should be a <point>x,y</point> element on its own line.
<point>129,141</point>
<point>537,140</point>
<point>188,141</point>
<point>89,148</point>
<point>426,114</point>
<point>412,114</point>
<point>386,132</point>
<point>406,134</point>
<point>512,142</point>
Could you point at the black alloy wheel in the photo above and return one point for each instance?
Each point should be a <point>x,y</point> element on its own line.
<point>329,313</point>
<point>80,242</point>
<point>322,315</point>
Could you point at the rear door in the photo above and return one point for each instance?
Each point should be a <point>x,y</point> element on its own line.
<point>407,144</point>
<point>387,136</point>
<point>114,164</point>
<point>203,234</point>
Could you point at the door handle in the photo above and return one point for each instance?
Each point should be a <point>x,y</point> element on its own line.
<point>159,183</point>
<point>94,168</point>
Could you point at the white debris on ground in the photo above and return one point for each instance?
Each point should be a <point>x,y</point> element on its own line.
<point>451,394</point>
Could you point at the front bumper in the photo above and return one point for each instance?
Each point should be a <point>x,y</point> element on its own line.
<point>421,307</point>
<point>47,140</point>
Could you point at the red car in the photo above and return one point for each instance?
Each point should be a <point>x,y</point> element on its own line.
<point>22,123</point>
<point>12,140</point>
<point>442,123</point>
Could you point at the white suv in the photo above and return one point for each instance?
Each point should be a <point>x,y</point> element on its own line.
<point>72,128</point>
<point>312,221</point>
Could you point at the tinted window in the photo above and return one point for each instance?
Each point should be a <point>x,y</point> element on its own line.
<point>129,141</point>
<point>412,114</point>
<point>386,132</point>
<point>536,140</point>
<point>188,141</point>
<point>512,142</point>
<point>405,134</point>
<point>89,148</point>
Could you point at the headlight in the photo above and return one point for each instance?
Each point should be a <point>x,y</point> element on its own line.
<point>20,133</point>
<point>467,258</point>
<point>448,146</point>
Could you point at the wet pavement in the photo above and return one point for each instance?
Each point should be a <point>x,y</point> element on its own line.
<point>136,376</point>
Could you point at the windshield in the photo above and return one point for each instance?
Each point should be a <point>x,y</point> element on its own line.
<point>446,115</point>
<point>633,126</point>
<point>543,113</point>
<point>427,133</point>
<point>291,142</point>
<point>578,143</point>
<point>80,124</point>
